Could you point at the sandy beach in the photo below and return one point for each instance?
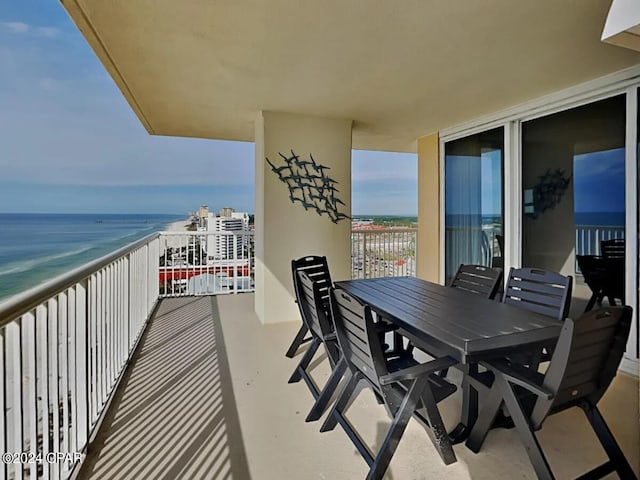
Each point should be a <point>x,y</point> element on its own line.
<point>180,226</point>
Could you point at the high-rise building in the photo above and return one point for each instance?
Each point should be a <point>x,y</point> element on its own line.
<point>223,247</point>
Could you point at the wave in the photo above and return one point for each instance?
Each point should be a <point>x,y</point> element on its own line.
<point>102,248</point>
<point>30,264</point>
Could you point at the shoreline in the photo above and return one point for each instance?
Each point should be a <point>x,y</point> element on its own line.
<point>179,226</point>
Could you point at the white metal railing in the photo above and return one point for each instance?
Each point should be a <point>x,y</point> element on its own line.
<point>65,344</point>
<point>63,347</point>
<point>471,245</point>
<point>588,238</point>
<point>206,263</point>
<point>383,253</point>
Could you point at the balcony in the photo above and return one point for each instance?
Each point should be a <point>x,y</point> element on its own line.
<point>200,390</point>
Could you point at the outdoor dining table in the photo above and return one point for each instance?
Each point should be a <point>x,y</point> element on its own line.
<point>445,321</point>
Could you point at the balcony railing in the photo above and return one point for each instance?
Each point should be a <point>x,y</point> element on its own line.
<point>383,253</point>
<point>472,245</point>
<point>588,237</point>
<point>65,344</point>
<point>206,263</point>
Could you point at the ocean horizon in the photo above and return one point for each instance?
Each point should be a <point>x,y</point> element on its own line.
<point>36,247</point>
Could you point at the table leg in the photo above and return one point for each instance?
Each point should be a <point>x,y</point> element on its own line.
<point>469,413</point>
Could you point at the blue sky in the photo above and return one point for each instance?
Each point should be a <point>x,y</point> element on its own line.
<point>70,143</point>
<point>599,181</point>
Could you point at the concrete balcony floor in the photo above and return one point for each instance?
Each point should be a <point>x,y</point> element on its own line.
<point>206,396</point>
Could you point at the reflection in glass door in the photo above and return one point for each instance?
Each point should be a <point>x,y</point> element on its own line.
<point>573,181</point>
<point>473,201</point>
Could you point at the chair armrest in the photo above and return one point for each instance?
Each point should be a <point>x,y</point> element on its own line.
<point>414,372</point>
<point>522,377</point>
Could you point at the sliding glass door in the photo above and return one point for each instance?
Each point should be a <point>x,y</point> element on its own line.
<point>473,201</point>
<point>573,181</point>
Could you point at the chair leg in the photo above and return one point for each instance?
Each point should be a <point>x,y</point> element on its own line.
<point>539,461</point>
<point>341,403</point>
<point>297,341</point>
<point>327,392</point>
<point>398,426</point>
<point>608,442</point>
<point>485,420</point>
<point>296,376</point>
<point>591,302</point>
<point>437,430</point>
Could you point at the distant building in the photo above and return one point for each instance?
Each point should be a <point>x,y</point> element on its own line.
<point>203,215</point>
<point>221,247</point>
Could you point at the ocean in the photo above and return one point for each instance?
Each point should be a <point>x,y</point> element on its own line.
<point>38,247</point>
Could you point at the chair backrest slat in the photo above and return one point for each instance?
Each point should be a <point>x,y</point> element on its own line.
<point>357,337</point>
<point>477,279</point>
<point>548,293</point>
<point>585,360</point>
<point>309,304</point>
<point>317,269</point>
<point>613,248</point>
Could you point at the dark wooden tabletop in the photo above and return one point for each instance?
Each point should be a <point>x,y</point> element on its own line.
<point>458,323</point>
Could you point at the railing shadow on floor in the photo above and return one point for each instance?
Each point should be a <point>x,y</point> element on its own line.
<point>174,414</point>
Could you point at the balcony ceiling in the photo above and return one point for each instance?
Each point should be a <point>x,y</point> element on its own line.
<point>398,69</point>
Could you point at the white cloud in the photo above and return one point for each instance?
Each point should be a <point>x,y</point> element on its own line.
<point>16,27</point>
<point>21,28</point>
<point>48,32</point>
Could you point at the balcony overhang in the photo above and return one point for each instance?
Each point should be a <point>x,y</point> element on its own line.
<point>399,70</point>
<point>623,24</point>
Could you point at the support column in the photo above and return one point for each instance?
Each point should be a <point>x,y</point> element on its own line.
<point>429,208</point>
<point>284,230</point>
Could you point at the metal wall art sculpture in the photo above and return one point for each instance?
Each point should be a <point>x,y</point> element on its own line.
<point>309,184</point>
<point>549,190</point>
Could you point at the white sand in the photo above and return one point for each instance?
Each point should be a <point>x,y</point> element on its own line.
<point>180,226</point>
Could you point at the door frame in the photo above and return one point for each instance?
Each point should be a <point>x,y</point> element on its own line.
<point>626,82</point>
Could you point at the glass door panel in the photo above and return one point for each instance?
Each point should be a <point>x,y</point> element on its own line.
<point>573,177</point>
<point>473,201</point>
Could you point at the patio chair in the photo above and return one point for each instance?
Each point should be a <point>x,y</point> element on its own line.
<point>613,248</point>
<point>408,389</point>
<point>318,269</point>
<point>584,363</point>
<point>320,327</point>
<point>477,279</point>
<point>540,291</point>
<point>604,277</point>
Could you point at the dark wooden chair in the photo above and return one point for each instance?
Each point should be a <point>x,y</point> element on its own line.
<point>613,248</point>
<point>584,363</point>
<point>540,291</point>
<point>407,389</point>
<point>604,277</point>
<point>318,270</point>
<point>548,293</point>
<point>320,327</point>
<point>477,279</point>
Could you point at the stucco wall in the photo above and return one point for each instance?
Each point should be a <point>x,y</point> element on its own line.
<point>286,230</point>
<point>429,208</point>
